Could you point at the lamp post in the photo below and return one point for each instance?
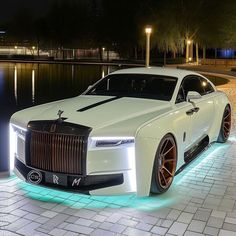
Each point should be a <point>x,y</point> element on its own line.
<point>103,51</point>
<point>33,49</point>
<point>148,31</point>
<point>188,42</point>
<point>15,49</point>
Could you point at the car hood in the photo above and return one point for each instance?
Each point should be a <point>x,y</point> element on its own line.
<point>105,115</point>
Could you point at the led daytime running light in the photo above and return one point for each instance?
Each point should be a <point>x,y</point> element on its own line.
<point>112,141</point>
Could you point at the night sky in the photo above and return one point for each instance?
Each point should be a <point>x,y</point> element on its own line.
<point>9,7</point>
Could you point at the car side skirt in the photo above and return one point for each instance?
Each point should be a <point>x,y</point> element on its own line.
<point>194,152</point>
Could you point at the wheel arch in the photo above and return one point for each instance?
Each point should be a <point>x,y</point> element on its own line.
<point>145,150</point>
<point>155,184</point>
<point>220,103</point>
<point>175,139</point>
<point>226,123</point>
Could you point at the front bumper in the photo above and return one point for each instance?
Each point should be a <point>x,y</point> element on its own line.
<point>78,183</point>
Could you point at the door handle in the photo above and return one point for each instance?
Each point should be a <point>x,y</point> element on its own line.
<point>190,112</point>
<point>196,109</point>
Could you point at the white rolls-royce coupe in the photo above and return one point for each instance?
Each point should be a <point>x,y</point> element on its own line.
<point>131,132</point>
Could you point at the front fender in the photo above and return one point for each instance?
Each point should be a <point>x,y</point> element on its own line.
<point>220,103</point>
<point>145,151</point>
<point>147,140</point>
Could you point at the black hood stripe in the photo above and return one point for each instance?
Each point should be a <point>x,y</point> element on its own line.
<point>98,104</point>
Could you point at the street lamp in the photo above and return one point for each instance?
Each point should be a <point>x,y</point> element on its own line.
<point>103,51</point>
<point>148,31</point>
<point>33,49</point>
<point>188,43</point>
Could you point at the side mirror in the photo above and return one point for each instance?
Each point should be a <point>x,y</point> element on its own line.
<point>193,95</point>
<point>89,87</point>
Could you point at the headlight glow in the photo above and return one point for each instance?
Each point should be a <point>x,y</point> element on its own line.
<point>17,133</point>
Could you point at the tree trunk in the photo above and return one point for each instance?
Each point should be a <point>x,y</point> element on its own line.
<point>142,53</point>
<point>197,55</point>
<point>63,54</point>
<point>204,53</point>
<point>215,55</point>
<point>187,51</point>
<point>38,46</point>
<point>174,54</point>
<point>136,52</point>
<point>100,53</point>
<point>164,62</point>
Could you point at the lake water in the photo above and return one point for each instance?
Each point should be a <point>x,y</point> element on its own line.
<point>27,84</point>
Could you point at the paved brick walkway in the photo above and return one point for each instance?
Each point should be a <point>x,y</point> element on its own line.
<point>202,201</point>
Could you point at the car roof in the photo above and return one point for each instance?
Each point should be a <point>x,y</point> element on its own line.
<point>179,73</point>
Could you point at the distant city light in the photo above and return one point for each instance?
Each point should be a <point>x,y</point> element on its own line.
<point>33,47</point>
<point>227,53</point>
<point>15,47</point>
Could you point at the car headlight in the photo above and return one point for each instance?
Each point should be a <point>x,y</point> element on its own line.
<point>111,141</point>
<point>17,138</point>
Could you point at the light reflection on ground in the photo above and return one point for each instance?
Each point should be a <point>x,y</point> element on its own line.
<point>197,175</point>
<point>151,203</point>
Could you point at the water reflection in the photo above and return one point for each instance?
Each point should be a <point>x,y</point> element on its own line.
<point>33,85</point>
<point>27,84</point>
<point>53,81</point>
<point>103,72</point>
<point>72,72</point>
<point>15,83</point>
<point>1,81</point>
<point>107,70</point>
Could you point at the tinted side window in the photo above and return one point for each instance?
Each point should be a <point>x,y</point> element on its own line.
<point>180,95</point>
<point>193,83</point>
<point>207,86</point>
<point>136,85</point>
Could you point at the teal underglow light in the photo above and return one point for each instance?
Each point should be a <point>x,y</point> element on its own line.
<point>202,160</point>
<point>193,172</point>
<point>77,201</point>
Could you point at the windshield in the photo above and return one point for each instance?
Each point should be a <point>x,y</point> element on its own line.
<point>136,85</point>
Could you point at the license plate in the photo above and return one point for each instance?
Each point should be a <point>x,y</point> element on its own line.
<point>57,179</point>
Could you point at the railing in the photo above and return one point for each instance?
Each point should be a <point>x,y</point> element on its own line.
<point>219,62</point>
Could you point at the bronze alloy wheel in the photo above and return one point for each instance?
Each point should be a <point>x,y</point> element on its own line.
<point>167,162</point>
<point>164,165</point>
<point>226,123</point>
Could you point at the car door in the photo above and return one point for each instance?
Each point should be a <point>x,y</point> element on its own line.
<point>202,118</point>
<point>183,121</point>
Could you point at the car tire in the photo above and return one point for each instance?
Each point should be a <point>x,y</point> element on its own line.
<point>225,125</point>
<point>164,165</point>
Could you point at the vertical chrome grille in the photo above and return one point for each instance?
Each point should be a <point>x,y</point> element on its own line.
<point>56,152</point>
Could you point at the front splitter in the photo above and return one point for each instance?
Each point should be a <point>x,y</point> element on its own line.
<point>64,181</point>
